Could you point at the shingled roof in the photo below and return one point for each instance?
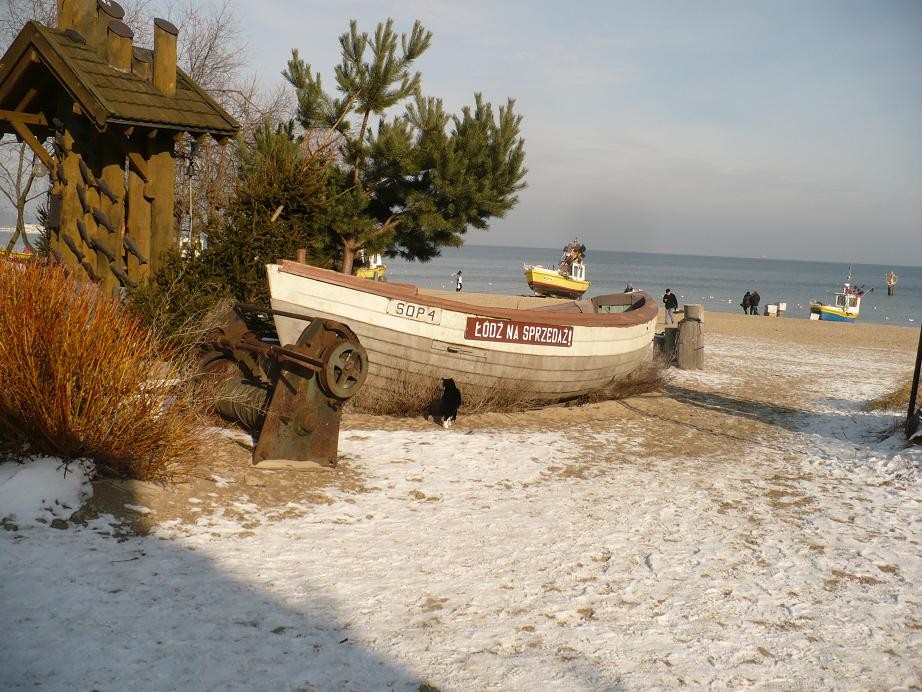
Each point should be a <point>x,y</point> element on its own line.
<point>105,94</point>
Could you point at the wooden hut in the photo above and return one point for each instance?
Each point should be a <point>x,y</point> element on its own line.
<point>112,113</point>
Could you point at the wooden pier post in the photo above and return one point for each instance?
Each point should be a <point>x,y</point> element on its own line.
<point>690,342</point>
<point>670,338</point>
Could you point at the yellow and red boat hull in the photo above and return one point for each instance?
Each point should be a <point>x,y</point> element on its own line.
<point>550,282</point>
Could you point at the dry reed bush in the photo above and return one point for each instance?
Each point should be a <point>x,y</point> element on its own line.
<point>649,377</point>
<point>502,399</point>
<point>411,396</point>
<point>894,399</point>
<point>406,396</point>
<point>83,378</point>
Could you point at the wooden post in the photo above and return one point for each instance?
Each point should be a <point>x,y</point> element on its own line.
<point>670,338</point>
<point>690,343</point>
<point>892,278</point>
<point>161,171</point>
<point>112,179</point>
<point>92,162</point>
<point>138,225</point>
<point>119,51</point>
<point>68,175</point>
<point>164,73</point>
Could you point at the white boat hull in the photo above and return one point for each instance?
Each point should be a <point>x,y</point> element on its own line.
<point>557,355</point>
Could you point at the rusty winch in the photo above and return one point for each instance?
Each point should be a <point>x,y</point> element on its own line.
<point>290,395</point>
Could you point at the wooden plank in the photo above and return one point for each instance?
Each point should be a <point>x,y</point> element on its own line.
<point>161,169</point>
<point>135,159</point>
<point>15,74</point>
<point>113,175</point>
<point>139,165</point>
<point>24,118</point>
<point>34,144</point>
<point>27,99</point>
<point>70,208</point>
<point>138,226</point>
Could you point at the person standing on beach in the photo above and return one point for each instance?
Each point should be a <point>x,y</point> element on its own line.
<point>458,282</point>
<point>746,303</point>
<point>670,302</point>
<point>754,303</point>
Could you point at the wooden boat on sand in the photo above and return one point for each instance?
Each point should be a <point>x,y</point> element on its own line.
<point>541,349</point>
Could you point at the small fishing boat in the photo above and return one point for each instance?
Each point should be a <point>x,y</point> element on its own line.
<point>546,350</point>
<point>568,280</point>
<point>847,305</point>
<point>16,256</point>
<point>371,268</point>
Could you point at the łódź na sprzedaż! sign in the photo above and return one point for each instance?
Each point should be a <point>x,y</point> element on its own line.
<point>484,329</point>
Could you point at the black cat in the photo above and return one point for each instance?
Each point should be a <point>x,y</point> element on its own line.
<point>451,401</point>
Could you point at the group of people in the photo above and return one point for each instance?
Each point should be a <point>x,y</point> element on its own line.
<point>750,303</point>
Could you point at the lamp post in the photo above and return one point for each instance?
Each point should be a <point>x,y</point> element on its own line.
<point>190,173</point>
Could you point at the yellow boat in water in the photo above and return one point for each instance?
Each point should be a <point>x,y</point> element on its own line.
<point>567,280</point>
<point>372,268</point>
<point>16,256</point>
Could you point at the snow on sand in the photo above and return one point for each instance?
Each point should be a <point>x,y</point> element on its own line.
<point>707,539</point>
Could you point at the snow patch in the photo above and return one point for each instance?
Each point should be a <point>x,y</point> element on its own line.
<point>42,489</point>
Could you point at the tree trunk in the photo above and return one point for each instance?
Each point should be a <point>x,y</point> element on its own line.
<point>21,200</point>
<point>348,258</point>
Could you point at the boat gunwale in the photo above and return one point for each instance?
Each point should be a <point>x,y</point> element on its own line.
<point>643,314</point>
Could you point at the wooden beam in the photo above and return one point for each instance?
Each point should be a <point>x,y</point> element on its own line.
<point>34,144</point>
<point>24,118</point>
<point>27,99</point>
<point>16,71</point>
<point>139,164</point>
<point>134,158</point>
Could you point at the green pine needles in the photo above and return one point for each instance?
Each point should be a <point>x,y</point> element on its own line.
<point>413,182</point>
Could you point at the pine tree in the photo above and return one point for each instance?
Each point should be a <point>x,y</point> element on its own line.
<point>279,206</point>
<point>415,182</point>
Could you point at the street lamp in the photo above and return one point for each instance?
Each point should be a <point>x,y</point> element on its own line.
<point>189,157</point>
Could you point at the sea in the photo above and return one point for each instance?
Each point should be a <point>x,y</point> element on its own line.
<point>717,283</point>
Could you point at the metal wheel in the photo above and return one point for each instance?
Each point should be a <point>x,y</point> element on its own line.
<point>345,367</point>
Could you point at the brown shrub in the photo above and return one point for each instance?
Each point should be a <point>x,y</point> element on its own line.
<point>407,395</point>
<point>649,377</point>
<point>896,398</point>
<point>414,395</point>
<point>83,378</point>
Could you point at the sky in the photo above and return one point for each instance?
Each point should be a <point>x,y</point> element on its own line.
<point>780,129</point>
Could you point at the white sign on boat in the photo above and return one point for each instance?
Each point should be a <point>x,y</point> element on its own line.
<point>412,311</point>
<point>481,329</point>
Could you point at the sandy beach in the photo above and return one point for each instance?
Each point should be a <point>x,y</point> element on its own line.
<point>749,525</point>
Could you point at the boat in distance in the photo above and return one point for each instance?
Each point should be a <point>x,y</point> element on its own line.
<point>566,280</point>
<point>847,305</point>
<point>546,350</point>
